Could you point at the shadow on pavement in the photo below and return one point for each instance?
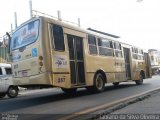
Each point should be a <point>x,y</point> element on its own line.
<point>15,104</point>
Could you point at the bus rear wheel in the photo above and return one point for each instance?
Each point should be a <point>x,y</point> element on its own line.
<point>69,90</point>
<point>99,83</point>
<point>140,82</point>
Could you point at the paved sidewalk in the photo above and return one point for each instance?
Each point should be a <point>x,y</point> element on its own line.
<point>150,105</point>
<point>147,109</point>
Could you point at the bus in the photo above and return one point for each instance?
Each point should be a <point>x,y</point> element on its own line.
<point>51,53</point>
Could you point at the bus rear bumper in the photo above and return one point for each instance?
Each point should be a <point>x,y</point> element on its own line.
<point>40,79</point>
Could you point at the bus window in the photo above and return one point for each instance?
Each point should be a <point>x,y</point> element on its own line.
<point>117,45</point>
<point>135,56</point>
<point>111,44</point>
<point>132,49</point>
<point>92,44</point>
<point>140,51</point>
<point>71,47</point>
<point>118,49</point>
<point>58,38</point>
<point>152,58</point>
<point>26,35</point>
<point>136,50</point>
<point>79,48</point>
<point>105,47</point>
<point>118,53</point>
<point>140,57</point>
<point>104,43</point>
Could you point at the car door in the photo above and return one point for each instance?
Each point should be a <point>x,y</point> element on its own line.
<point>8,77</point>
<point>2,80</point>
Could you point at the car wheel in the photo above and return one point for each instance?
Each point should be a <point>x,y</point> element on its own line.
<point>12,92</point>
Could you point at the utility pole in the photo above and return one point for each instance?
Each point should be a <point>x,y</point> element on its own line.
<point>79,22</point>
<point>15,19</point>
<point>30,8</point>
<point>11,28</point>
<point>59,15</point>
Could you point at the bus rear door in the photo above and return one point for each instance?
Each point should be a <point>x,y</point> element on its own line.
<point>127,62</point>
<point>77,74</point>
<point>147,65</point>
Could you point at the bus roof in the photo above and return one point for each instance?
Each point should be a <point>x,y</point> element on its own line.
<point>111,35</point>
<point>71,26</point>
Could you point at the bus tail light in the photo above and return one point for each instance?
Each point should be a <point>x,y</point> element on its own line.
<point>40,60</point>
<point>41,63</point>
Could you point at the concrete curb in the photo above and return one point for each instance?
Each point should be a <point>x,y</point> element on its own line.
<point>124,104</point>
<point>97,112</point>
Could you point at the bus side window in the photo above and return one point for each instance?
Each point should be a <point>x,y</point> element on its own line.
<point>92,44</point>
<point>111,44</point>
<point>58,38</point>
<point>118,49</point>
<point>105,47</point>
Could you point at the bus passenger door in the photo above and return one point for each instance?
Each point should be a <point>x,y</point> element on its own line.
<point>147,65</point>
<point>75,46</point>
<point>127,63</point>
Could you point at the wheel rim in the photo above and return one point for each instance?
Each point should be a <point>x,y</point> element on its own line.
<point>12,92</point>
<point>99,83</point>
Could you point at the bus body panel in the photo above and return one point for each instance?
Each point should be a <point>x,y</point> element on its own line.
<point>36,80</point>
<point>26,68</point>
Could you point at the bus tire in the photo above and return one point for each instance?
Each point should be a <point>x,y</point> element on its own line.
<point>140,82</point>
<point>116,84</point>
<point>69,90</point>
<point>12,92</point>
<point>99,83</point>
<point>2,95</point>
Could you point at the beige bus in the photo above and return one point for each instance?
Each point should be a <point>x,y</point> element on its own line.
<point>50,53</point>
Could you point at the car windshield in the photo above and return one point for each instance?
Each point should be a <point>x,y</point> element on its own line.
<point>26,35</point>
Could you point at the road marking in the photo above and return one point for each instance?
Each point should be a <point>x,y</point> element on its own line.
<point>107,105</point>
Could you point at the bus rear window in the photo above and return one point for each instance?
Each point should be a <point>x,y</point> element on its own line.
<point>26,35</point>
<point>58,38</point>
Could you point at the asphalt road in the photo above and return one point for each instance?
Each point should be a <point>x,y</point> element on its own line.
<point>49,102</point>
